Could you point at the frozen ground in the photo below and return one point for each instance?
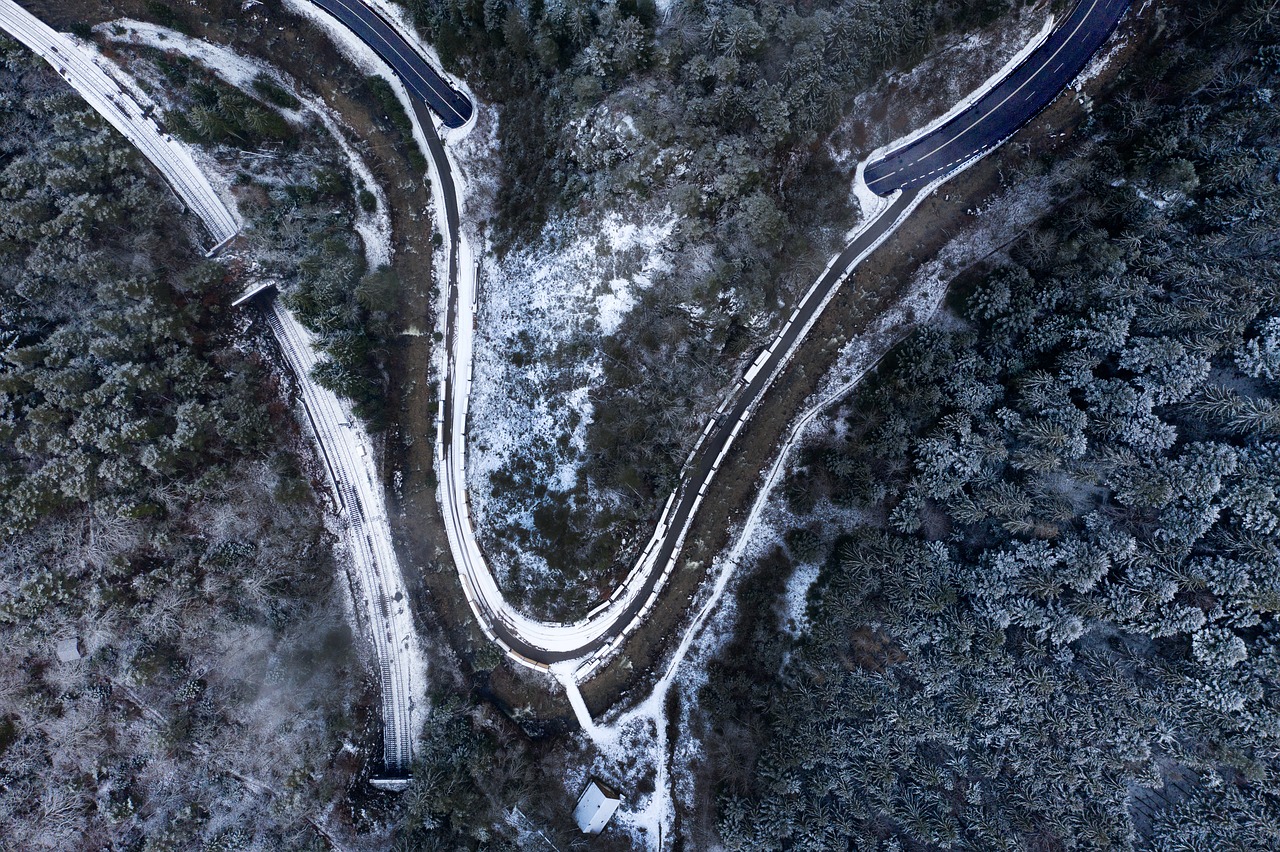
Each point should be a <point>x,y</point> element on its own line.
<point>543,310</point>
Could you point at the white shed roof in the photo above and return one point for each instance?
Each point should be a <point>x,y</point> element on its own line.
<point>595,807</point>
<point>69,650</point>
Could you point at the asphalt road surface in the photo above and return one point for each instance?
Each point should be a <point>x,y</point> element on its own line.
<point>419,77</point>
<point>1032,86</point>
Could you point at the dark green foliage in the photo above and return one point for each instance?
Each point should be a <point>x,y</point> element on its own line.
<point>149,508</point>
<point>213,112</point>
<point>393,112</point>
<point>163,13</point>
<point>470,772</point>
<point>108,387</point>
<point>303,218</point>
<point>350,310</point>
<point>272,93</point>
<point>1057,624</point>
<point>385,97</point>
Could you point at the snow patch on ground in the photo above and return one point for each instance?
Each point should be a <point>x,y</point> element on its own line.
<point>374,228</point>
<point>795,599</point>
<point>237,70</point>
<point>1100,62</point>
<point>530,396</point>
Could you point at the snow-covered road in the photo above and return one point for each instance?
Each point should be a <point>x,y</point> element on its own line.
<point>344,444</point>
<point>378,582</point>
<point>85,70</point>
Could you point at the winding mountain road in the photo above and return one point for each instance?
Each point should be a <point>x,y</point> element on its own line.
<point>417,74</point>
<point>1033,84</point>
<point>575,650</point>
<point>905,176</point>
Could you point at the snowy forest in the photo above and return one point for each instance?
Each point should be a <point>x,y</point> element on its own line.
<point>161,524</point>
<point>1043,529</point>
<point>1048,619</point>
<point>141,435</point>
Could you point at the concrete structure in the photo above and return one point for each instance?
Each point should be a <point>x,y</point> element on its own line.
<point>69,651</point>
<point>595,807</point>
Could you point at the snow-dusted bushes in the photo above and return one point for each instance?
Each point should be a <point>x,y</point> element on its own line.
<point>151,509</point>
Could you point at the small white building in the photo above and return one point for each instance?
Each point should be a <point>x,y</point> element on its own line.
<point>69,650</point>
<point>595,807</point>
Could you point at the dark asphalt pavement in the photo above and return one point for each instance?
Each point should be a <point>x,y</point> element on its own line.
<point>418,76</point>
<point>1031,87</point>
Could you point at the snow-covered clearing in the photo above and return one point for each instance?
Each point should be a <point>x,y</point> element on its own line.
<point>373,227</point>
<point>543,310</point>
